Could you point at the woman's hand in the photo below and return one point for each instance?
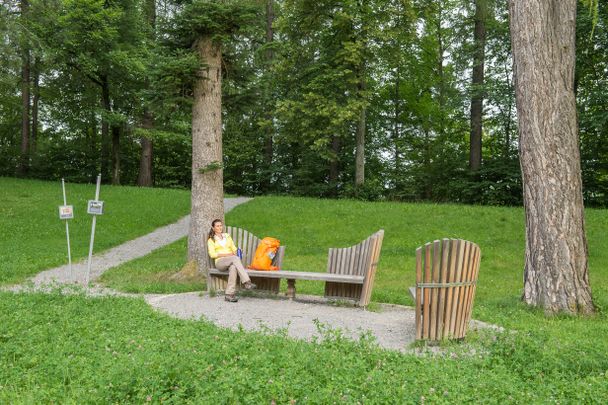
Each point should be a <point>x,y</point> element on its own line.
<point>225,254</point>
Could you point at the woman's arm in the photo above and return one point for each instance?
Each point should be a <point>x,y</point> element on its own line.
<point>230,244</point>
<point>211,249</point>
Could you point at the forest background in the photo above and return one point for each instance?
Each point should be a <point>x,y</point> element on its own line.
<point>420,91</point>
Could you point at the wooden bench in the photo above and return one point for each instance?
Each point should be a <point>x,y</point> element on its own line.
<point>446,278</point>
<point>350,271</point>
<point>248,242</point>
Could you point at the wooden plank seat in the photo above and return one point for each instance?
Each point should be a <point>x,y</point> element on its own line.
<point>446,279</point>
<point>350,272</point>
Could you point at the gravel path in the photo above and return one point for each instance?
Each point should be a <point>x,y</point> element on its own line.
<point>127,251</point>
<point>393,326</point>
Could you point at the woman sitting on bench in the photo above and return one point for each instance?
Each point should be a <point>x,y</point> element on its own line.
<point>221,248</point>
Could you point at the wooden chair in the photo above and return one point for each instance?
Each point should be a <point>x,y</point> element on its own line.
<point>248,242</point>
<point>360,260</point>
<point>446,278</point>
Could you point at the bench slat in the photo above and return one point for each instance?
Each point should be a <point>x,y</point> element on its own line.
<point>297,275</point>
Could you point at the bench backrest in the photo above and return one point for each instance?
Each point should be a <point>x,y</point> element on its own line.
<point>446,277</point>
<point>358,260</point>
<point>248,243</point>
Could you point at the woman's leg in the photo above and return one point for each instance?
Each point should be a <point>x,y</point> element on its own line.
<point>226,263</point>
<point>236,262</point>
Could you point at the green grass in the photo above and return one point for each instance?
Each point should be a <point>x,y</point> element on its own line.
<point>33,238</point>
<point>152,273</point>
<point>72,349</point>
<point>308,227</point>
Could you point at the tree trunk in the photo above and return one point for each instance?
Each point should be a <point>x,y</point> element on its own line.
<point>268,141</point>
<point>116,154</point>
<point>477,84</point>
<point>92,131</point>
<point>144,178</point>
<point>105,127</point>
<point>396,124</point>
<point>35,100</point>
<point>360,140</point>
<point>25,97</point>
<point>543,41</point>
<point>207,173</point>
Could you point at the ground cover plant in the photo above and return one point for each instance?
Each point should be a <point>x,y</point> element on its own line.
<point>73,349</point>
<point>33,238</point>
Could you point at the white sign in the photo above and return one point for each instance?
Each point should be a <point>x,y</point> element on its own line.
<point>95,207</point>
<point>66,212</point>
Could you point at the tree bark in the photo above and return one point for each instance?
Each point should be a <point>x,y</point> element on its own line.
<point>25,96</point>
<point>396,123</point>
<point>35,101</point>
<point>105,127</point>
<point>268,141</point>
<point>543,40</point>
<point>207,174</point>
<point>477,84</point>
<point>361,122</point>
<point>144,178</point>
<point>360,139</point>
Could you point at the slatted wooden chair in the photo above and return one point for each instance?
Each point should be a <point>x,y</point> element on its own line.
<point>446,278</point>
<point>359,261</point>
<point>248,243</point>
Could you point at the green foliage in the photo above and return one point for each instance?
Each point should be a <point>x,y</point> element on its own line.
<point>291,105</point>
<point>219,19</point>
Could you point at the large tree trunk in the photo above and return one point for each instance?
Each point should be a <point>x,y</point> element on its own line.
<point>543,40</point>
<point>207,173</point>
<point>477,84</point>
<point>144,178</point>
<point>25,97</point>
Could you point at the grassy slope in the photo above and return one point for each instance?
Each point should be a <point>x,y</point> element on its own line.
<point>308,227</point>
<point>33,237</point>
<point>65,348</point>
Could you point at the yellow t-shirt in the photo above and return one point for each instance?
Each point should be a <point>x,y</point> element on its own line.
<point>216,247</point>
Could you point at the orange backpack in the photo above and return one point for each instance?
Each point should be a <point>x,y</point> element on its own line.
<point>266,251</point>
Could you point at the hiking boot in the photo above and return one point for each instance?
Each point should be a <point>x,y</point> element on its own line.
<point>231,298</point>
<point>250,286</point>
